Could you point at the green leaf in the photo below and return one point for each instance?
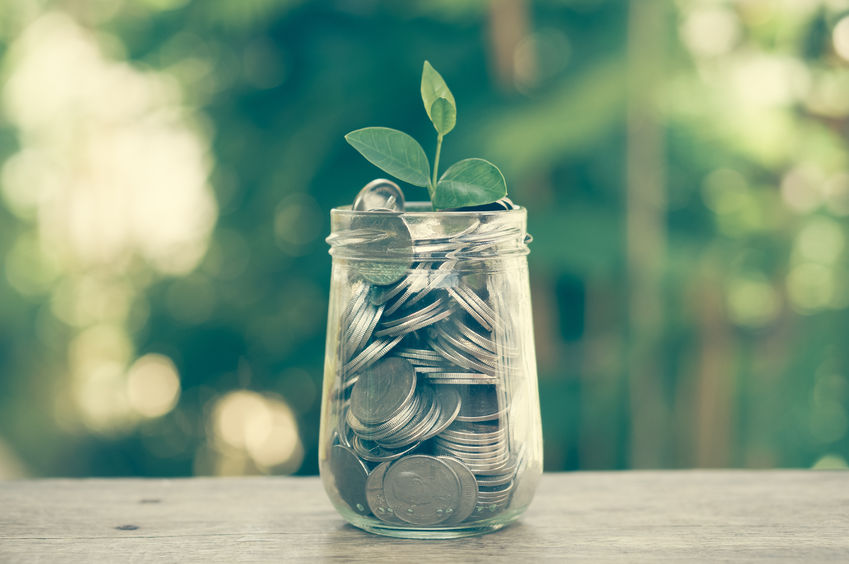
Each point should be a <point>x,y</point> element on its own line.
<point>392,151</point>
<point>443,114</point>
<point>470,182</point>
<point>434,87</point>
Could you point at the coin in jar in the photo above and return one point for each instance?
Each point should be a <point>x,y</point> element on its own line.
<point>383,390</point>
<point>449,404</point>
<point>422,490</point>
<point>375,496</point>
<point>350,474</point>
<point>468,490</point>
<point>390,249</point>
<point>379,194</point>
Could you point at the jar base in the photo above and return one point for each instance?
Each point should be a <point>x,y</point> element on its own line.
<point>455,532</point>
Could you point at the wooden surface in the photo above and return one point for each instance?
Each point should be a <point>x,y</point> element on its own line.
<point>646,516</point>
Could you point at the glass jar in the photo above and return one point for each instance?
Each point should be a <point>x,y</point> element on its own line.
<point>430,424</point>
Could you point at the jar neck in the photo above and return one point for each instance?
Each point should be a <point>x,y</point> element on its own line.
<point>426,236</point>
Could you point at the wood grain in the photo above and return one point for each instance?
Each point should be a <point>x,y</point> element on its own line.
<point>646,516</point>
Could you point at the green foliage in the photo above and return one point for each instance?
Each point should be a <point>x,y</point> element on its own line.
<point>442,114</point>
<point>468,183</point>
<point>392,151</point>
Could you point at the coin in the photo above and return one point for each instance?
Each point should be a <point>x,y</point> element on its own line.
<point>414,430</point>
<point>432,313</point>
<point>368,356</point>
<point>349,473</point>
<point>461,299</point>
<point>422,490</point>
<point>463,344</point>
<point>390,252</point>
<point>387,428</point>
<point>375,496</point>
<point>449,403</point>
<point>468,490</point>
<point>379,194</point>
<point>383,390</point>
<point>480,405</point>
<point>373,452</point>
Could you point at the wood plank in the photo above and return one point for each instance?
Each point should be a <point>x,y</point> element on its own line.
<point>693,515</point>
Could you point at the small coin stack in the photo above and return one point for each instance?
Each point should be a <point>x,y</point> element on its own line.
<point>422,437</point>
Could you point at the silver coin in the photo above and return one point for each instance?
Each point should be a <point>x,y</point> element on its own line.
<point>373,452</point>
<point>442,276</point>
<point>431,369</point>
<point>473,335</point>
<point>487,467</point>
<point>474,433</point>
<point>487,490</point>
<point>494,479</point>
<point>492,459</point>
<point>433,313</point>
<point>484,443</point>
<point>361,328</point>
<point>459,358</point>
<point>481,404</point>
<point>494,497</point>
<point>482,380</point>
<point>415,429</point>
<point>379,194</point>
<point>375,497</point>
<point>406,287</point>
<point>474,449</point>
<point>422,490</point>
<point>389,428</point>
<point>382,294</point>
<point>390,252</point>
<point>460,298</point>
<point>468,491</point>
<point>383,390</point>
<point>478,304</point>
<point>449,404</point>
<point>359,291</point>
<point>350,474</point>
<point>418,354</point>
<point>368,356</point>
<point>464,345</point>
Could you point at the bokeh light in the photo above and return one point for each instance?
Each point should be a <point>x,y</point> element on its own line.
<point>840,38</point>
<point>263,428</point>
<point>153,385</point>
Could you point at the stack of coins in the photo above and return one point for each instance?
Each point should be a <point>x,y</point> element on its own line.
<point>423,437</point>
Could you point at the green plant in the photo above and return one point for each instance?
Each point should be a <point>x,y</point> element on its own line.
<point>470,182</point>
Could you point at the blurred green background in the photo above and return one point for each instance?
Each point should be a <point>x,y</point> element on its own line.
<point>168,167</point>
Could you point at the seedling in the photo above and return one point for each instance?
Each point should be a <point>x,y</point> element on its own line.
<point>470,182</point>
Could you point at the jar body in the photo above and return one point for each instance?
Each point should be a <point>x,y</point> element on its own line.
<point>430,423</point>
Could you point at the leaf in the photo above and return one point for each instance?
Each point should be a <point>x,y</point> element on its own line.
<point>470,182</point>
<point>434,87</point>
<point>392,151</point>
<point>443,115</point>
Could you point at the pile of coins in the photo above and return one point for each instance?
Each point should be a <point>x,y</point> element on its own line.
<point>422,436</point>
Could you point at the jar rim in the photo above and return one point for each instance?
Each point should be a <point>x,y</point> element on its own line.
<point>423,209</point>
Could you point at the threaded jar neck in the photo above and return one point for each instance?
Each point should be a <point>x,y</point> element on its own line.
<point>421,235</point>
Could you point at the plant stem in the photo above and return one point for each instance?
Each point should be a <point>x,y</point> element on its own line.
<point>436,164</point>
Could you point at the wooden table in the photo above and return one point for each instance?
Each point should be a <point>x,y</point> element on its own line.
<point>592,516</point>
